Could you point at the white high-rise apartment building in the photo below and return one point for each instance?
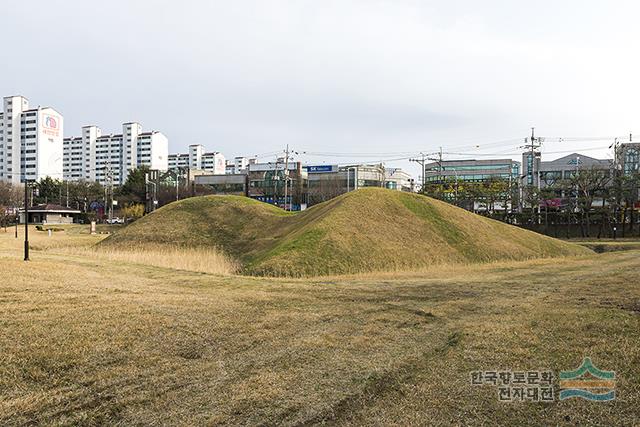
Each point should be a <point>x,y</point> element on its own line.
<point>198,159</point>
<point>109,158</point>
<point>30,141</point>
<point>237,166</point>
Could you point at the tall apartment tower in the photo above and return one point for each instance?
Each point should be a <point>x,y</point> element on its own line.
<point>109,158</point>
<point>196,151</point>
<point>30,141</point>
<point>80,155</point>
<point>240,164</point>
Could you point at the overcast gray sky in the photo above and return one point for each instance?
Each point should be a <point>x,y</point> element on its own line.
<point>385,77</point>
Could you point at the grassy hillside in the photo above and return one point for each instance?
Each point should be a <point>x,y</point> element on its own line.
<point>367,230</point>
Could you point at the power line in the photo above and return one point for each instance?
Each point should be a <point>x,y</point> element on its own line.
<point>516,153</point>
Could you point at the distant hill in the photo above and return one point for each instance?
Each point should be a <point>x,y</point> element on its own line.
<point>367,230</point>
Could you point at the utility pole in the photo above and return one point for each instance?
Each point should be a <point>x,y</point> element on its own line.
<point>440,164</point>
<point>177,172</point>
<point>286,175</point>
<point>441,177</point>
<point>109,173</point>
<point>110,194</point>
<point>193,187</point>
<point>146,191</point>
<point>67,182</point>
<point>421,162</point>
<point>577,184</point>
<point>615,154</point>
<point>531,144</point>
<point>105,200</point>
<point>616,173</point>
<point>275,184</point>
<point>26,219</point>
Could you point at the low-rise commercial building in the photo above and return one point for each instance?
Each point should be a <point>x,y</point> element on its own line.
<point>471,170</point>
<point>564,168</point>
<point>329,181</point>
<point>280,183</point>
<point>229,184</point>
<point>261,181</point>
<point>398,179</point>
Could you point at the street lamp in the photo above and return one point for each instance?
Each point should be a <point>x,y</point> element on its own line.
<point>26,219</point>
<point>155,191</point>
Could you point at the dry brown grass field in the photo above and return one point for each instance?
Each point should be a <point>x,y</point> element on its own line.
<point>126,339</point>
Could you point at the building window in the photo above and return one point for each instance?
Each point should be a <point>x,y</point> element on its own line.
<point>631,161</point>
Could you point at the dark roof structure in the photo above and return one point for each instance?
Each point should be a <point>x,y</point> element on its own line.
<point>52,208</point>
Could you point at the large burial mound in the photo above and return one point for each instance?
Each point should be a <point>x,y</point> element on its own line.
<point>367,230</point>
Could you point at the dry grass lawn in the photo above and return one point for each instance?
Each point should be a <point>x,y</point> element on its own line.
<point>90,340</point>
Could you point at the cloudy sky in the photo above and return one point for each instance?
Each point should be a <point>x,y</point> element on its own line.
<point>340,80</point>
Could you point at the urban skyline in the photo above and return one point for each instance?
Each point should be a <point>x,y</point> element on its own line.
<point>334,77</point>
<point>514,153</point>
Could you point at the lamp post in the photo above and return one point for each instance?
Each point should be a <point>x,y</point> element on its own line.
<point>155,201</point>
<point>26,220</point>
<point>176,172</point>
<point>577,184</point>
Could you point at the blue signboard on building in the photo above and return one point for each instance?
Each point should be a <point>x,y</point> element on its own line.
<point>320,169</point>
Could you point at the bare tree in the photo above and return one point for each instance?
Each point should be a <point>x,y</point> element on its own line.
<point>326,188</point>
<point>587,183</point>
<point>11,196</point>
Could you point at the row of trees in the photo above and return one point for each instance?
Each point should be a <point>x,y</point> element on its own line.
<point>591,198</point>
<point>88,197</point>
